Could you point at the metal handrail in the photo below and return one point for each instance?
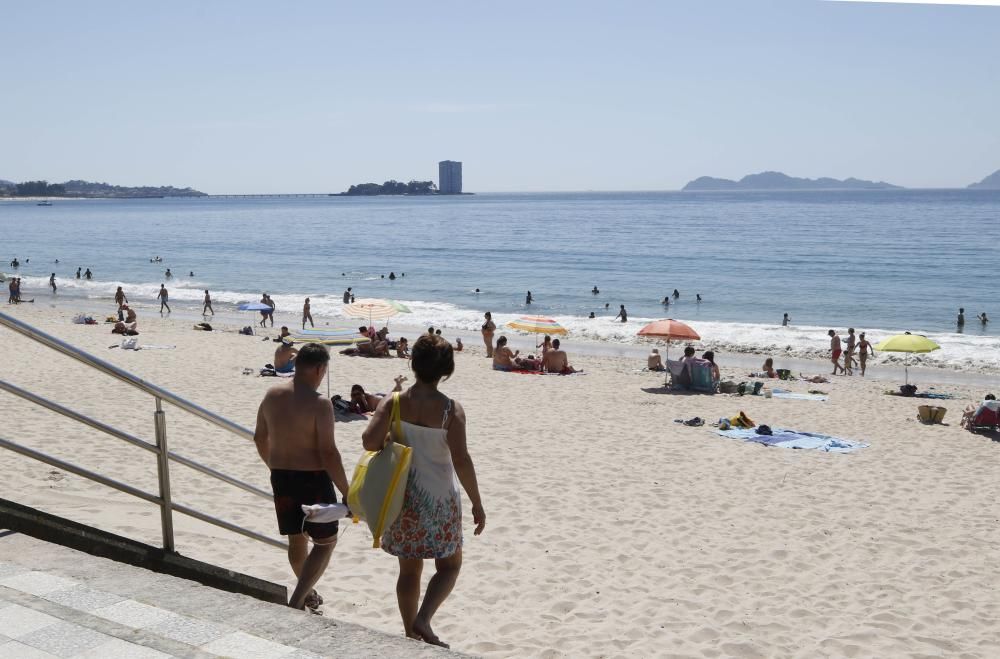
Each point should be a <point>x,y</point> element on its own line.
<point>160,449</point>
<point>110,369</point>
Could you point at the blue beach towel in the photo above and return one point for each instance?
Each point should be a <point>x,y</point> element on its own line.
<point>794,439</point>
<point>788,395</point>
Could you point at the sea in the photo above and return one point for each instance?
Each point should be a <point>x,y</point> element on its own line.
<point>883,261</point>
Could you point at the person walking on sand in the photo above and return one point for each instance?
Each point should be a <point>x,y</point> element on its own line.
<point>849,352</point>
<point>622,314</point>
<point>430,523</point>
<point>835,351</point>
<point>489,327</point>
<point>307,315</point>
<point>52,282</point>
<point>208,305</point>
<point>121,301</point>
<point>864,349</point>
<point>295,439</point>
<point>162,296</point>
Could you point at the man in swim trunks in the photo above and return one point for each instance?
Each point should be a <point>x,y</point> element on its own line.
<point>163,295</point>
<point>207,305</point>
<point>556,361</point>
<point>284,357</point>
<point>622,314</point>
<point>835,352</point>
<point>294,437</point>
<point>307,315</point>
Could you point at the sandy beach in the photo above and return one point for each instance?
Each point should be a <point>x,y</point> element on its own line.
<point>612,530</point>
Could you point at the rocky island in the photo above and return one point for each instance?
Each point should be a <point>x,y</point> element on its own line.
<point>991,182</point>
<point>781,181</point>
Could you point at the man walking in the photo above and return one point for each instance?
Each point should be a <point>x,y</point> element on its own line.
<point>52,283</point>
<point>162,296</point>
<point>835,352</point>
<point>208,305</point>
<point>294,437</point>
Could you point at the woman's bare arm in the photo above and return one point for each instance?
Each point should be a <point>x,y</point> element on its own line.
<point>373,438</point>
<point>464,467</point>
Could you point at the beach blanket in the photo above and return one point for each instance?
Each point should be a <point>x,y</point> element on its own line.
<point>790,395</point>
<point>924,394</point>
<point>794,439</point>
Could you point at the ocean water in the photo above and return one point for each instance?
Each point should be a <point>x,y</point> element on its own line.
<point>882,261</point>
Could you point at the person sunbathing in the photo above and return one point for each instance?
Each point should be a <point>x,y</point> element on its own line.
<point>124,328</point>
<point>363,402</point>
<point>503,357</point>
<point>654,362</point>
<point>556,361</point>
<point>815,379</point>
<point>284,358</point>
<point>970,412</point>
<point>769,368</point>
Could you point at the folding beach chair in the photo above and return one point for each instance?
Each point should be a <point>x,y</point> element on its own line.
<point>986,418</point>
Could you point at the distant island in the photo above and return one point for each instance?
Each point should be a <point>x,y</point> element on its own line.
<point>780,181</point>
<point>392,187</point>
<point>78,188</point>
<point>991,182</point>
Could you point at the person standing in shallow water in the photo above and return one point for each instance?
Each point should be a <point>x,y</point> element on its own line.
<point>528,298</point>
<point>430,524</point>
<point>307,314</point>
<point>622,314</point>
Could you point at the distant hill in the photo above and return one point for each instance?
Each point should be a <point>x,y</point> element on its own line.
<point>78,188</point>
<point>991,182</point>
<point>780,181</point>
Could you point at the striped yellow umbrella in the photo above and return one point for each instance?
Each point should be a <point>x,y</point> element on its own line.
<point>537,325</point>
<point>371,309</point>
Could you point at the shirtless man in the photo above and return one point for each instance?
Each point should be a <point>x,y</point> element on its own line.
<point>503,357</point>
<point>835,352</point>
<point>294,438</point>
<point>52,282</point>
<point>347,295</point>
<point>556,361</point>
<point>162,297</point>
<point>865,348</point>
<point>849,352</point>
<point>285,357</point>
<point>129,315</point>
<point>654,362</point>
<point>488,328</point>
<point>622,314</point>
<point>208,305</point>
<point>307,315</point>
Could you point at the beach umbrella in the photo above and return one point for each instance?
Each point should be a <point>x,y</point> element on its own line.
<point>907,343</point>
<point>254,306</point>
<point>537,325</point>
<point>669,330</point>
<point>370,309</point>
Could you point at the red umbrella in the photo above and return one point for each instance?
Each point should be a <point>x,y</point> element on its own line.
<point>670,330</point>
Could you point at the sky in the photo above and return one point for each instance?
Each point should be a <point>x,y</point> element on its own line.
<point>265,97</point>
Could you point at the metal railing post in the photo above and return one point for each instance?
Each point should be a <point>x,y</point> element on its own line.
<point>163,476</point>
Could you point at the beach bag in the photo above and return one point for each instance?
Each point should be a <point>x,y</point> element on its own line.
<point>784,374</point>
<point>727,387</point>
<point>379,481</point>
<point>931,414</point>
<point>741,420</point>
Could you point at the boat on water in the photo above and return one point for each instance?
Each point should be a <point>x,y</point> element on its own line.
<point>44,203</point>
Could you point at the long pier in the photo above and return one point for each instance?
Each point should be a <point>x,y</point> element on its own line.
<point>270,196</point>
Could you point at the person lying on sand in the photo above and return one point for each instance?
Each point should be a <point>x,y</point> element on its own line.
<point>124,328</point>
<point>556,361</point>
<point>363,402</point>
<point>815,379</point>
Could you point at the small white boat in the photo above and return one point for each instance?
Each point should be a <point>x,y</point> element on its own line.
<point>44,203</point>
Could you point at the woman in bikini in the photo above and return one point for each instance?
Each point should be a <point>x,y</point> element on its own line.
<point>430,524</point>
<point>488,328</point>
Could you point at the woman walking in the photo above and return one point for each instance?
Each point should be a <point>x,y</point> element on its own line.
<point>430,524</point>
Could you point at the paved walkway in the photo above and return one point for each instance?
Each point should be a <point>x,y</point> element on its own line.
<point>58,602</point>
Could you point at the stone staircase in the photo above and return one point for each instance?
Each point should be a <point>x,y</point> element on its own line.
<point>59,602</point>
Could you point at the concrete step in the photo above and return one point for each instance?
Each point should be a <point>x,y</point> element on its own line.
<point>59,602</point>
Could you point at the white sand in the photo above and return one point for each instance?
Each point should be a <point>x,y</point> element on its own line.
<point>612,531</point>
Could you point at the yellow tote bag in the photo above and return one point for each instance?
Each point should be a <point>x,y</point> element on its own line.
<point>379,481</point>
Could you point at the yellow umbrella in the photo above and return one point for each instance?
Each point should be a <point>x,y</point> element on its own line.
<point>537,325</point>
<point>907,343</point>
